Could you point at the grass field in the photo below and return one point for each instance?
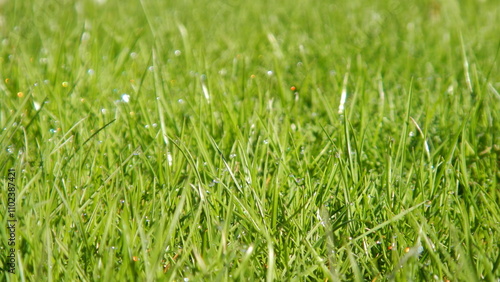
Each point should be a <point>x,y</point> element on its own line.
<point>251,140</point>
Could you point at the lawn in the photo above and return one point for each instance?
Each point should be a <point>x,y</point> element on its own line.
<point>150,140</point>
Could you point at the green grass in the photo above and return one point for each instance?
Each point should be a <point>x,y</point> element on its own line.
<point>216,170</point>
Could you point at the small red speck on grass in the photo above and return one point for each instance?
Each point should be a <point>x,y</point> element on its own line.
<point>20,94</point>
<point>134,258</point>
<point>389,248</point>
<point>252,76</point>
<point>407,249</point>
<point>293,88</point>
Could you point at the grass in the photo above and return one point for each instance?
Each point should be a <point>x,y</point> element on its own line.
<point>230,140</point>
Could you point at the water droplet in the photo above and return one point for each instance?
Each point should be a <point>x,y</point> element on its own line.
<point>265,141</point>
<point>169,159</point>
<point>125,98</point>
<point>177,53</point>
<point>270,73</point>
